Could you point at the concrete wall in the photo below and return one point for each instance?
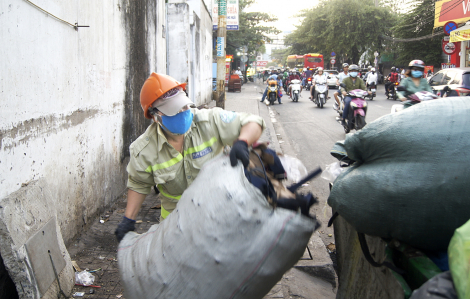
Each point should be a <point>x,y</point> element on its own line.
<point>190,48</point>
<point>69,110</point>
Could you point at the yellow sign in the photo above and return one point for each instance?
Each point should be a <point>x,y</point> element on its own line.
<point>459,35</point>
<point>457,11</point>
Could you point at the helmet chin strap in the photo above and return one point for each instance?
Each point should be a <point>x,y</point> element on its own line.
<point>159,121</point>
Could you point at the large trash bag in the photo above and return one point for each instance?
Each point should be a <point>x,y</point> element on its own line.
<point>223,240</point>
<point>459,260</point>
<point>410,178</point>
<point>440,286</point>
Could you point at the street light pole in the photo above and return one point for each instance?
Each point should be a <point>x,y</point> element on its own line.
<point>221,36</point>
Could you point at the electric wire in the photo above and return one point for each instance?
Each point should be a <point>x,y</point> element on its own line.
<point>429,19</point>
<point>45,11</point>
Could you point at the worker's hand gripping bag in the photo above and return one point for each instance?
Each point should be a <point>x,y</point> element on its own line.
<point>411,177</point>
<point>459,260</point>
<point>223,240</point>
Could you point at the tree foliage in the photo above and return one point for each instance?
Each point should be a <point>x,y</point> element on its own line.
<point>347,27</point>
<point>253,30</point>
<point>418,22</point>
<point>280,55</point>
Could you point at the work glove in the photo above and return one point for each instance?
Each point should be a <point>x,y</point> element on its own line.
<point>240,152</point>
<point>126,225</point>
<point>301,201</point>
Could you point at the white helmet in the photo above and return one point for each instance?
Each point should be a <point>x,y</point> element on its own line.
<point>319,69</point>
<point>372,69</point>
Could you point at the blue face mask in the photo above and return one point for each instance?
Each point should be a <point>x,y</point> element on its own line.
<point>416,74</point>
<point>178,124</point>
<point>353,74</point>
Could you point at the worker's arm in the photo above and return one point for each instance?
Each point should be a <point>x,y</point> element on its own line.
<point>250,132</point>
<point>134,202</point>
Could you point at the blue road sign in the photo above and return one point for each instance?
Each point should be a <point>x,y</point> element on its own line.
<point>449,26</point>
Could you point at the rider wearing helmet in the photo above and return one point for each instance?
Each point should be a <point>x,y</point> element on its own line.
<point>319,78</point>
<point>414,80</point>
<point>178,143</point>
<point>352,82</point>
<point>392,78</point>
<point>341,76</point>
<point>371,79</point>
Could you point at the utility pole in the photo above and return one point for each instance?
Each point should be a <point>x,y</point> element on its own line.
<point>376,3</point>
<point>221,36</point>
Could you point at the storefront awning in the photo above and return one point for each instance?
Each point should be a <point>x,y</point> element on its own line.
<point>460,34</point>
<point>457,11</point>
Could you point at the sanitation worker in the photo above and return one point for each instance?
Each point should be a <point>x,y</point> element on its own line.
<point>177,144</point>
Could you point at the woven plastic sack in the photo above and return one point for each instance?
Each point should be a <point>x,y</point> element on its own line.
<point>410,181</point>
<point>223,240</point>
<point>459,260</point>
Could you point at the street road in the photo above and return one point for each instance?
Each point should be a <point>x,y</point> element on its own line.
<point>309,133</point>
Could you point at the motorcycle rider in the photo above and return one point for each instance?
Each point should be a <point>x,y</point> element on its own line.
<point>414,82</point>
<point>352,82</point>
<point>272,77</point>
<point>369,68</point>
<point>293,76</point>
<point>371,80</point>
<point>320,77</point>
<point>392,78</point>
<point>340,79</point>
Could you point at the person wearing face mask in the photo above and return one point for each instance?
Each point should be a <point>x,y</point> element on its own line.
<point>414,80</point>
<point>352,82</point>
<point>178,143</point>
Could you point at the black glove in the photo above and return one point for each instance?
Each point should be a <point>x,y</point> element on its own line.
<point>301,201</point>
<point>240,152</point>
<point>126,225</point>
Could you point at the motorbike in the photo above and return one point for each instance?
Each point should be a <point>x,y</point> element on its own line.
<point>272,91</point>
<point>295,90</point>
<point>341,103</point>
<point>372,88</point>
<point>358,108</point>
<point>321,90</point>
<point>414,99</point>
<point>392,93</point>
<point>309,83</point>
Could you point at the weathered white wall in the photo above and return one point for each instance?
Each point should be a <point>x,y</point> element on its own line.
<point>69,105</point>
<point>190,48</point>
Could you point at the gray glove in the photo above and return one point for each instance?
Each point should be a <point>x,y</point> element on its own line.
<point>126,225</point>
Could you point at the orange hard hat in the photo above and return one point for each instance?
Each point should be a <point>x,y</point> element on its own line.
<point>154,87</point>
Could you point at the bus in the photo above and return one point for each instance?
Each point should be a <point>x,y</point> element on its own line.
<point>295,61</point>
<point>313,60</point>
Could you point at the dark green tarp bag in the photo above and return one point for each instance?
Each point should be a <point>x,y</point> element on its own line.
<point>411,179</point>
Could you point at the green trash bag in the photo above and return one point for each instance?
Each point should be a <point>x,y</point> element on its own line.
<point>459,260</point>
<point>410,178</point>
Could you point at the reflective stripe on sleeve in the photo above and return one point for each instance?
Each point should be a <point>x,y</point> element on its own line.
<point>168,195</point>
<point>164,213</point>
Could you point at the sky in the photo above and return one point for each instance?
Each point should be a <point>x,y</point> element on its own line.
<point>284,10</point>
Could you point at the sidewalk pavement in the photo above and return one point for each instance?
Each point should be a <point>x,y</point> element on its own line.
<point>96,248</point>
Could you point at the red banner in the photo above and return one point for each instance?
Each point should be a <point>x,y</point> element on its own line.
<point>451,10</point>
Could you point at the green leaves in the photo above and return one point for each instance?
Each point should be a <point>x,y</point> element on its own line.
<point>253,30</point>
<point>347,27</point>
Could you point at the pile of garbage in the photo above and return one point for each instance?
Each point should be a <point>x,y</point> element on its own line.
<point>410,177</point>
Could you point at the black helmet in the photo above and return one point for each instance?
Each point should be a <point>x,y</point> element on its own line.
<point>353,67</point>
<point>416,63</point>
<point>393,69</point>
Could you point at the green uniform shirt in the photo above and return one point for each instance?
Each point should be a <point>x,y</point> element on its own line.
<point>350,85</point>
<point>411,87</point>
<point>153,161</point>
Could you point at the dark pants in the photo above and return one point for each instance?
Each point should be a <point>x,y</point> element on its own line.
<point>347,102</point>
<point>266,93</point>
<point>387,85</point>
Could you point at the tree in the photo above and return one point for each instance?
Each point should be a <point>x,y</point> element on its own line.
<point>347,27</point>
<point>418,22</point>
<point>280,55</point>
<point>253,31</point>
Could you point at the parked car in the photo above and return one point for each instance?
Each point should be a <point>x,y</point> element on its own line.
<point>332,76</point>
<point>458,80</point>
